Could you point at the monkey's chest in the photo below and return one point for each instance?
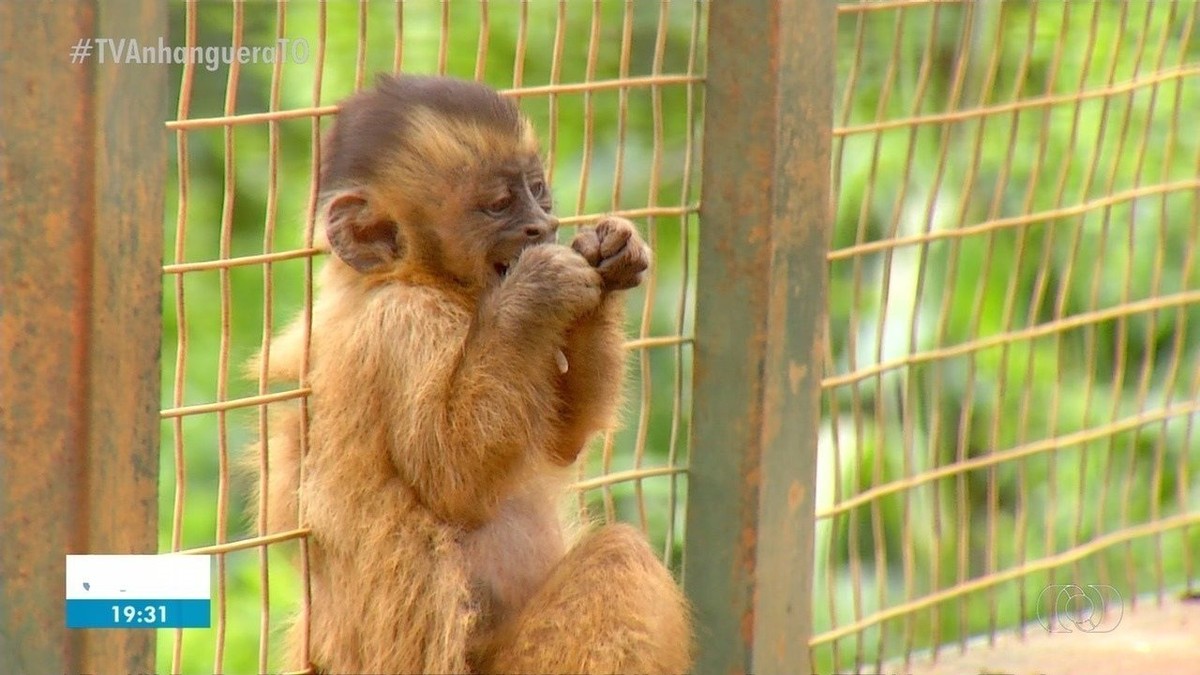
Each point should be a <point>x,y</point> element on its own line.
<point>510,558</point>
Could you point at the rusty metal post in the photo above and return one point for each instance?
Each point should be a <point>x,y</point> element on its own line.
<point>82,163</point>
<point>760,322</point>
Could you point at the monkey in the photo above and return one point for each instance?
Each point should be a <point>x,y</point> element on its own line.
<point>460,359</point>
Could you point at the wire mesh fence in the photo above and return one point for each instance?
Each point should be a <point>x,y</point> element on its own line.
<point>1013,378</point>
<point>613,90</point>
<point>1011,387</point>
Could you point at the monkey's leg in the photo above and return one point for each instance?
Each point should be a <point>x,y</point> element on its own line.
<point>609,606</point>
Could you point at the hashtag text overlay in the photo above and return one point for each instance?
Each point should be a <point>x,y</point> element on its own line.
<point>131,51</point>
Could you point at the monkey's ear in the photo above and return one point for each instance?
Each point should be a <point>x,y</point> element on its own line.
<point>362,238</point>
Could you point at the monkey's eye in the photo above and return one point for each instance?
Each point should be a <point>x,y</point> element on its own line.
<point>499,206</point>
<point>537,188</point>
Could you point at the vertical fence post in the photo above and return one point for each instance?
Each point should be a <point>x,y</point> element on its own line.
<point>82,160</point>
<point>760,322</point>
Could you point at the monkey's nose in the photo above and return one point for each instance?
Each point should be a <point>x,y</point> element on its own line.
<point>541,230</point>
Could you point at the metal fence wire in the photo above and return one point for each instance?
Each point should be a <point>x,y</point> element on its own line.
<point>1010,388</point>
<point>1011,385</point>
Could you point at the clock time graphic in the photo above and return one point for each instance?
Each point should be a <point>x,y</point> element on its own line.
<point>138,591</point>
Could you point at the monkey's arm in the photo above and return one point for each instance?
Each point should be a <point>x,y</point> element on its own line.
<point>590,390</point>
<point>498,399</point>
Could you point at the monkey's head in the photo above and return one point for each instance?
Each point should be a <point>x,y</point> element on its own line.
<point>436,176</point>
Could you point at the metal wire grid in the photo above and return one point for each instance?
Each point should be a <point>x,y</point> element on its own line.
<point>1011,389</point>
<point>273,256</point>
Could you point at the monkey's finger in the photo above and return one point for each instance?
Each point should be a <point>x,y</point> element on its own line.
<point>614,237</point>
<point>632,255</point>
<point>587,244</point>
<point>612,259</point>
<point>624,282</point>
<point>624,271</point>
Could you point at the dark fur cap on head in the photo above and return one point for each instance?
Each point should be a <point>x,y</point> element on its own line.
<point>436,120</point>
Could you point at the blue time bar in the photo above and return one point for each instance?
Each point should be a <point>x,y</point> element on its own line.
<point>125,613</point>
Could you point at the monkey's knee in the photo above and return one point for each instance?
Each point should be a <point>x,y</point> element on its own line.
<point>618,540</point>
<point>609,606</point>
<point>650,623</point>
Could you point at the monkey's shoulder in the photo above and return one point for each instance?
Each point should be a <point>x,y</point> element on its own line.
<point>389,331</point>
<point>390,305</point>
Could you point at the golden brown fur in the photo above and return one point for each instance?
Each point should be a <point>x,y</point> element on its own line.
<point>441,423</point>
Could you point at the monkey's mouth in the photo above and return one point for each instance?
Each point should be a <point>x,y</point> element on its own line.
<point>502,261</point>
<point>502,268</point>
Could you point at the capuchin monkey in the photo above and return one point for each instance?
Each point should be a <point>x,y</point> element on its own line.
<point>460,360</point>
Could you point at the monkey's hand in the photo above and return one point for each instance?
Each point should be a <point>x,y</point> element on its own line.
<point>614,247</point>
<point>554,282</point>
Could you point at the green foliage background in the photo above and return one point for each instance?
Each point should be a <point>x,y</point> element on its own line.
<point>896,183</point>
<point>932,179</point>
